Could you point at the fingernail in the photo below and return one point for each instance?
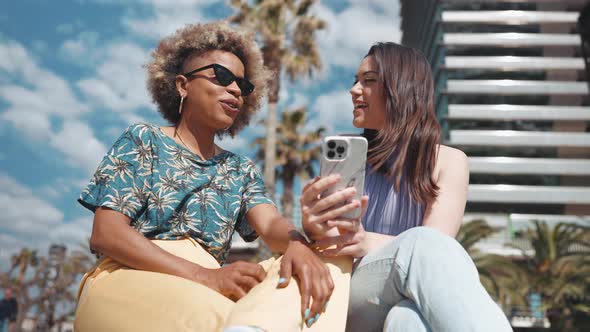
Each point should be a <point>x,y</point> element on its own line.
<point>317,316</point>
<point>306,313</point>
<point>281,280</point>
<point>326,305</point>
<point>310,321</point>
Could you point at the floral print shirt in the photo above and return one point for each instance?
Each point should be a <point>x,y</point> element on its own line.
<point>171,193</point>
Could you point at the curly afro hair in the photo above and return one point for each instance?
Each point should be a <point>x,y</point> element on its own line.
<point>194,40</point>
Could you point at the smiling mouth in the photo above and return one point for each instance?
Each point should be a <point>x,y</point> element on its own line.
<point>361,107</point>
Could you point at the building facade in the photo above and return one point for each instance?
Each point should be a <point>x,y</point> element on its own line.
<point>511,93</point>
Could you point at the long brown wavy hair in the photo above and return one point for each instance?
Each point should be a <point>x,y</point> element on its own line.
<point>407,144</point>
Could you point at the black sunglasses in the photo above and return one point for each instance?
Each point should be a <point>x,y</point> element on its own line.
<point>225,77</point>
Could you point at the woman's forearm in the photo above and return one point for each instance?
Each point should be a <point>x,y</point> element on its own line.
<point>113,237</point>
<point>279,233</point>
<point>274,229</point>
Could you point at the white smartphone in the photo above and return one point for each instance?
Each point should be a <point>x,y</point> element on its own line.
<point>346,156</point>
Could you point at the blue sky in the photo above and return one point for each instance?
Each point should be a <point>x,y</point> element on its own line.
<point>71,80</point>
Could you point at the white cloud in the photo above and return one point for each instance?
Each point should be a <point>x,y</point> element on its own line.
<point>351,32</point>
<point>238,144</point>
<point>28,121</point>
<point>45,91</point>
<point>22,212</point>
<point>51,191</point>
<point>257,126</point>
<point>28,221</point>
<point>11,186</point>
<point>41,97</point>
<point>77,142</point>
<point>83,49</point>
<point>73,48</point>
<point>283,92</point>
<point>72,233</point>
<point>161,3</point>
<point>168,4</point>
<point>65,28</point>
<point>9,246</point>
<point>299,100</point>
<point>13,55</point>
<point>55,96</point>
<point>40,46</point>
<point>333,111</point>
<point>128,118</point>
<point>120,81</point>
<point>168,17</point>
<point>59,96</point>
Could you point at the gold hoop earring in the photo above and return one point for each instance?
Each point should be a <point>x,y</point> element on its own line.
<point>180,107</point>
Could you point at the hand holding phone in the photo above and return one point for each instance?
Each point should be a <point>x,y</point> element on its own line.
<point>328,197</point>
<point>346,156</point>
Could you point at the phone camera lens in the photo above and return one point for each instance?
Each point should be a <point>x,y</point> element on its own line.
<point>331,154</point>
<point>331,144</point>
<point>340,150</point>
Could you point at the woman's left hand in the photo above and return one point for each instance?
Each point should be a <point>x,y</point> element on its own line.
<point>313,277</point>
<point>355,243</point>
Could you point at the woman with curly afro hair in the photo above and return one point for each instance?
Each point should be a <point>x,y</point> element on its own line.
<point>167,200</point>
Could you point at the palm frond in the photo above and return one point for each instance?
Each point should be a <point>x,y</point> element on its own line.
<point>473,232</point>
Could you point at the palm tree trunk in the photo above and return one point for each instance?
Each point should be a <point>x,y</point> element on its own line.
<point>271,53</point>
<point>20,316</point>
<point>287,199</point>
<point>269,149</point>
<point>23,304</point>
<point>22,271</point>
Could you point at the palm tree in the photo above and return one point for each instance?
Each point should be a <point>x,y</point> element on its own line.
<point>28,276</point>
<point>498,274</point>
<point>296,152</point>
<point>286,32</point>
<point>22,261</point>
<point>559,269</point>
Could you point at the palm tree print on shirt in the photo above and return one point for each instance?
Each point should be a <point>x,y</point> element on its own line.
<point>170,193</point>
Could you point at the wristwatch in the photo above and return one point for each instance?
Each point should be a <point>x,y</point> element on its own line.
<point>297,222</point>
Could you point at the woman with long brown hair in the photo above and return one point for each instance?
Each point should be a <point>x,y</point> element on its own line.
<point>410,273</point>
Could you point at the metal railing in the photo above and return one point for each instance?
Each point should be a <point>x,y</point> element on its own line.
<point>517,17</point>
<point>510,39</point>
<point>508,112</point>
<point>513,63</point>
<point>504,193</point>
<point>516,87</point>
<point>529,166</point>
<point>517,138</point>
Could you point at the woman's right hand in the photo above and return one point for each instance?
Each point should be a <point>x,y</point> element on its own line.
<point>316,211</point>
<point>234,280</point>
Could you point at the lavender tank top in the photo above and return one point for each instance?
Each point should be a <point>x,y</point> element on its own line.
<point>389,212</point>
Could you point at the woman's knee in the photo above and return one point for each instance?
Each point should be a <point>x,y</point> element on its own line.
<point>425,233</point>
<point>405,316</point>
<point>438,250</point>
<point>427,239</point>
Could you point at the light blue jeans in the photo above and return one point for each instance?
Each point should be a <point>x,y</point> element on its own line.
<point>423,280</point>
